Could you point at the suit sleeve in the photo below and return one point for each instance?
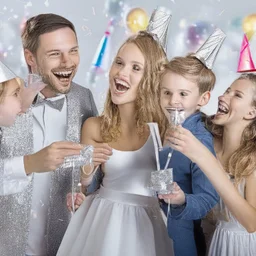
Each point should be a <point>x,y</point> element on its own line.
<point>93,105</point>
<point>204,196</point>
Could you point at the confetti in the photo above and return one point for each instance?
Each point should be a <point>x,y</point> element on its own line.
<point>46,3</point>
<point>93,11</point>
<point>86,29</point>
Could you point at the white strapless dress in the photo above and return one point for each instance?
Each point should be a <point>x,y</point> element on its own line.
<point>122,218</point>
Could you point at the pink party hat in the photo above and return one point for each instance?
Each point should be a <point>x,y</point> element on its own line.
<point>245,63</point>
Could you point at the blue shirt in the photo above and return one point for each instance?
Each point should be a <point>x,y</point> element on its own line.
<point>184,224</point>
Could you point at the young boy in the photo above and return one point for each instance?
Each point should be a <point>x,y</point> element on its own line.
<point>186,82</point>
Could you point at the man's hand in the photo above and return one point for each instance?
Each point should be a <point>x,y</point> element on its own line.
<point>50,157</point>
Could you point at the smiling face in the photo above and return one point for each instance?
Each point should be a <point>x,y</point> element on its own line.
<point>235,105</point>
<point>177,91</point>
<point>125,74</point>
<point>56,60</point>
<point>10,106</point>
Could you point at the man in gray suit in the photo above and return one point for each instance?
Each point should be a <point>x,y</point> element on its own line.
<point>33,212</point>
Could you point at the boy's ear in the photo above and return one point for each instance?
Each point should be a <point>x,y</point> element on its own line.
<point>204,99</point>
<point>29,57</point>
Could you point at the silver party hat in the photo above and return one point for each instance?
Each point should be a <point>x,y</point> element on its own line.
<point>207,53</point>
<point>159,23</point>
<point>5,73</point>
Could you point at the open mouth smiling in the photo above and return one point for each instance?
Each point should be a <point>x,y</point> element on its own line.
<point>121,86</point>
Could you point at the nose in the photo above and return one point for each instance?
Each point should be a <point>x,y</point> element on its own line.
<point>174,101</point>
<point>223,97</point>
<point>124,71</point>
<point>66,59</point>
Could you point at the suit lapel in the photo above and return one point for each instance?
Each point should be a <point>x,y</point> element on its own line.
<point>74,116</point>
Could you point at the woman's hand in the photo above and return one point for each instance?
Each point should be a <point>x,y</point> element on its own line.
<point>78,200</point>
<point>101,153</point>
<point>184,141</point>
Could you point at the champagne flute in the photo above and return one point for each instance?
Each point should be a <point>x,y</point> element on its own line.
<point>176,117</point>
<point>33,84</point>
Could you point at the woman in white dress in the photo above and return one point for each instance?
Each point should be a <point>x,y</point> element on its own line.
<point>234,173</point>
<point>123,218</point>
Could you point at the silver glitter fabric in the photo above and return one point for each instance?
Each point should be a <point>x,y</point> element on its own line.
<point>5,73</point>
<point>15,209</point>
<point>208,52</point>
<point>159,24</point>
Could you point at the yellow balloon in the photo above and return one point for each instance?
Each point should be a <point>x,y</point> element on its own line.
<point>136,20</point>
<point>249,25</point>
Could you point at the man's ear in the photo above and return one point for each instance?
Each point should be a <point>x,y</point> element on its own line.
<point>30,59</point>
<point>251,114</point>
<point>204,99</point>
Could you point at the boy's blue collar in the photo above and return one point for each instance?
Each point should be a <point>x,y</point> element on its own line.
<point>192,118</point>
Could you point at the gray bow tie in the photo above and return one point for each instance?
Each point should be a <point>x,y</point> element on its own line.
<point>56,104</point>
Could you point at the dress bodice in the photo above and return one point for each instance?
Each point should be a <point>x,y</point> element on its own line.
<point>129,171</point>
<point>222,213</point>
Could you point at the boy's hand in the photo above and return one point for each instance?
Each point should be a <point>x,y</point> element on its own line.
<point>78,200</point>
<point>176,197</point>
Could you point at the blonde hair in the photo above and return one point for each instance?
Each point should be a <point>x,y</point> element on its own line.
<point>242,162</point>
<point>148,95</point>
<point>192,69</point>
<point>4,84</point>
<point>2,91</point>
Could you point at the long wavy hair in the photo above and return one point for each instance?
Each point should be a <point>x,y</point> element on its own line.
<point>242,162</point>
<point>147,102</point>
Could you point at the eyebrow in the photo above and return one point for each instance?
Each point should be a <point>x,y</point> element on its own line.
<point>179,90</point>
<point>58,50</point>
<point>239,92</point>
<point>134,62</point>
<point>16,90</point>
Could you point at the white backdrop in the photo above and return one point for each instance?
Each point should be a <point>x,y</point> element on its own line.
<point>89,18</point>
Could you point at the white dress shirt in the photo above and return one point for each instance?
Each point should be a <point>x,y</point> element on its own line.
<point>49,125</point>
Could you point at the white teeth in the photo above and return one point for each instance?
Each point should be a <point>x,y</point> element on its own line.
<point>222,108</point>
<point>63,73</point>
<point>123,83</point>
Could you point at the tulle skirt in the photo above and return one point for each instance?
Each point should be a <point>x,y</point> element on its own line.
<point>231,239</point>
<point>117,224</point>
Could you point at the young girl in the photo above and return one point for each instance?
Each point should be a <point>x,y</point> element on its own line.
<point>10,103</point>
<point>14,97</point>
<point>234,173</point>
<point>123,218</point>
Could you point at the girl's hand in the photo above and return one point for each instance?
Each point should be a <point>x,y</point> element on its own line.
<point>185,142</point>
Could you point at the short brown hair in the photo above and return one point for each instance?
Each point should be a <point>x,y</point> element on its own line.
<point>39,25</point>
<point>192,69</point>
